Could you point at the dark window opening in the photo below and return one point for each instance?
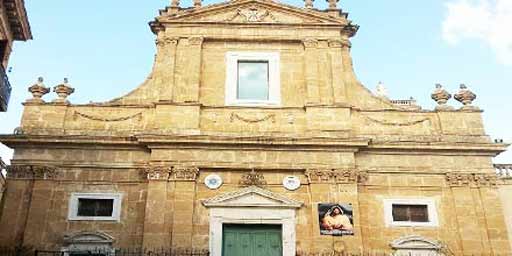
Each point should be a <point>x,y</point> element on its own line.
<point>95,207</point>
<point>413,213</point>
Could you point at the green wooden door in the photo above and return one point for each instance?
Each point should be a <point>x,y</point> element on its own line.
<point>252,240</point>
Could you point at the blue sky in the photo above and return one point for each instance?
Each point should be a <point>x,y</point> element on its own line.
<point>106,49</point>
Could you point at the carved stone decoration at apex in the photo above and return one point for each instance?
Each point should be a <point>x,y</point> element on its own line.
<point>441,96</point>
<point>63,91</point>
<point>466,97</point>
<point>252,14</point>
<point>38,90</point>
<point>253,179</point>
<point>39,172</point>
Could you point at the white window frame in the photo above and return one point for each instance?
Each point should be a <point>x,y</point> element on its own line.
<point>274,77</point>
<point>116,210</point>
<point>431,208</point>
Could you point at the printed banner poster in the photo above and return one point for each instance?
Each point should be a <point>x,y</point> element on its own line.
<point>336,219</point>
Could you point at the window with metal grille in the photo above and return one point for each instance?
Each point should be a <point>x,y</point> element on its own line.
<point>412,213</point>
<point>95,207</point>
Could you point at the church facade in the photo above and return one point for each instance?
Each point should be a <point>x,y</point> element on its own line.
<point>253,136</point>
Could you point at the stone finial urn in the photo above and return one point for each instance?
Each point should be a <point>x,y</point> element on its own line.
<point>466,97</point>
<point>441,96</point>
<point>308,4</point>
<point>38,90</point>
<point>63,91</point>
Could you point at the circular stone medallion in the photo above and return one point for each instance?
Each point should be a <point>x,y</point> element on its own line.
<point>291,182</point>
<point>213,181</point>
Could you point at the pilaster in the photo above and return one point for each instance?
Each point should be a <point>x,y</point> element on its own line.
<point>337,70</point>
<point>26,198</point>
<point>165,65</point>
<point>189,78</point>
<point>156,226</point>
<point>311,71</point>
<point>480,219</point>
<point>336,186</point>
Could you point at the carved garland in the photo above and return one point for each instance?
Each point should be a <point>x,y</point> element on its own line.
<point>32,172</point>
<point>171,173</point>
<point>336,176</point>
<point>235,116</point>
<point>471,179</point>
<point>102,119</point>
<point>387,123</point>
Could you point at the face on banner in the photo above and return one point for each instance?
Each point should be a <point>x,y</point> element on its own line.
<point>336,219</point>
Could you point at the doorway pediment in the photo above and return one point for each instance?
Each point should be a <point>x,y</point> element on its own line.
<point>252,197</point>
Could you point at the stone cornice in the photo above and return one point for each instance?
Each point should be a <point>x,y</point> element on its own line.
<point>336,176</point>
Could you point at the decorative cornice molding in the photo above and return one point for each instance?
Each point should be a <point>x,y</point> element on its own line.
<point>253,178</point>
<point>32,172</point>
<point>171,173</point>
<point>336,176</point>
<point>454,179</point>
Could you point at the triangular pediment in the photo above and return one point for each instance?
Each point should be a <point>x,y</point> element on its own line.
<point>252,197</point>
<point>252,11</point>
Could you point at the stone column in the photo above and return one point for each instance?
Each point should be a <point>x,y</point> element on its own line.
<point>311,71</point>
<point>337,70</point>
<point>190,77</point>
<point>156,235</point>
<point>184,179</point>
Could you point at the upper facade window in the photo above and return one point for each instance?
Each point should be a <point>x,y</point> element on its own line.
<point>95,206</point>
<point>410,212</point>
<point>252,78</point>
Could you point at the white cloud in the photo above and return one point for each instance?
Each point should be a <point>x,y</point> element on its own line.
<point>486,20</point>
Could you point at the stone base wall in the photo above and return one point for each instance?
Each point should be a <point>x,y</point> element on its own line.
<point>161,213</point>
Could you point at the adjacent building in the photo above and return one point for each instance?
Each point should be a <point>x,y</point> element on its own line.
<point>253,136</point>
<point>14,26</point>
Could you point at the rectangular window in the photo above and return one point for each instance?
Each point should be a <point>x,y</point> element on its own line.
<point>95,206</point>
<point>410,212</point>
<point>252,80</point>
<point>414,213</point>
